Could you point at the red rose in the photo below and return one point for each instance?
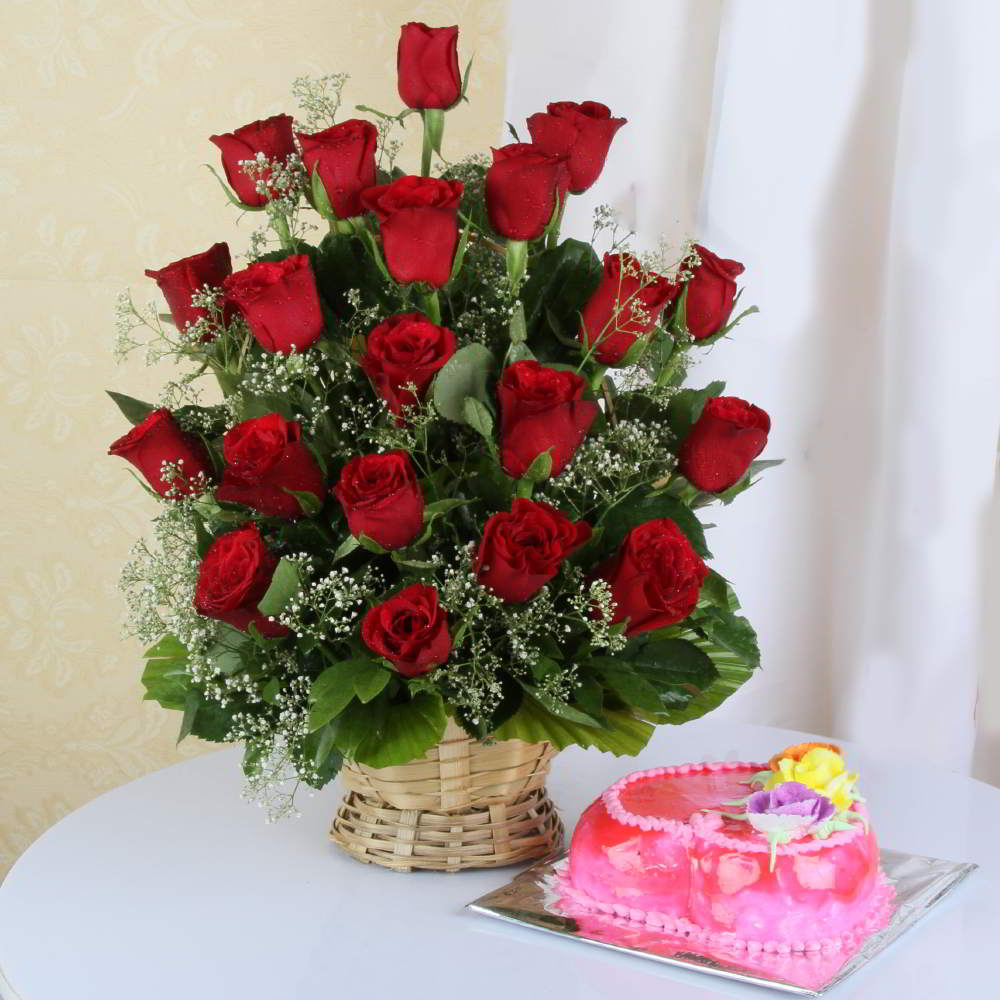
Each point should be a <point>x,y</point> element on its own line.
<point>427,66</point>
<point>625,306</point>
<point>410,630</point>
<point>523,550</point>
<point>158,439</point>
<point>728,436</point>
<point>344,155</point>
<point>234,575</point>
<point>181,279</point>
<point>655,578</point>
<point>382,498</point>
<point>406,348</point>
<point>265,458</point>
<point>418,219</point>
<point>272,137</point>
<point>583,132</point>
<point>541,409</point>
<point>711,292</point>
<point>523,188</point>
<point>280,303</point>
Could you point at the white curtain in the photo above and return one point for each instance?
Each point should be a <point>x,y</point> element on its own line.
<point>849,154</point>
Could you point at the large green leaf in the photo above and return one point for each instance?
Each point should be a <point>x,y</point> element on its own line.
<point>466,374</point>
<point>285,584</point>
<point>560,282</point>
<point>636,510</point>
<point>731,632</point>
<point>410,729</point>
<point>625,736</point>
<point>165,676</point>
<point>331,692</point>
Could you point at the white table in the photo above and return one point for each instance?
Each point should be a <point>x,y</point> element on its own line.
<point>173,888</point>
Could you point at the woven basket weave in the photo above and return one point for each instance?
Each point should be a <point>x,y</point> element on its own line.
<point>463,805</point>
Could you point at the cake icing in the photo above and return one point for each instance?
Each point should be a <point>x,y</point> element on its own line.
<point>775,857</point>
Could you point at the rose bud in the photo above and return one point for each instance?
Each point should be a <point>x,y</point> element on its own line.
<point>583,132</point>
<point>407,349</point>
<point>272,137</point>
<point>727,437</point>
<point>159,439</point>
<point>234,575</point>
<point>655,578</point>
<point>410,630</point>
<point>418,219</point>
<point>265,458</point>
<point>344,156</point>
<point>711,292</point>
<point>624,308</point>
<point>280,303</point>
<point>181,279</point>
<point>523,550</point>
<point>524,188</point>
<point>382,498</point>
<point>427,66</point>
<point>541,409</point>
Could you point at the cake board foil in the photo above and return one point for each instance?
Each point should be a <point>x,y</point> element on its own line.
<point>534,899</point>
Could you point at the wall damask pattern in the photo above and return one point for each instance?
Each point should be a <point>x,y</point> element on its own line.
<point>103,133</point>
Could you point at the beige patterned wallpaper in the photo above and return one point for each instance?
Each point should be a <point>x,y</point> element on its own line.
<point>104,118</point>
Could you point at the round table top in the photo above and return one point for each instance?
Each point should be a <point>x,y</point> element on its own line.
<point>172,886</point>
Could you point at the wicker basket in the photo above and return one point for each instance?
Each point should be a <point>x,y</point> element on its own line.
<point>464,805</point>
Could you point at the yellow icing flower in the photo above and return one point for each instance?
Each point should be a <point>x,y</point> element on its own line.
<point>820,769</point>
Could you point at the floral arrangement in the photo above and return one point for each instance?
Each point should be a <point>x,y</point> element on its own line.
<point>453,470</point>
<point>807,791</point>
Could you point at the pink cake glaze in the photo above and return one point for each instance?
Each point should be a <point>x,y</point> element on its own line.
<point>648,850</point>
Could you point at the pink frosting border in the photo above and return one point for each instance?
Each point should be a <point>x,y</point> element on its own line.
<point>875,919</point>
<point>706,825</point>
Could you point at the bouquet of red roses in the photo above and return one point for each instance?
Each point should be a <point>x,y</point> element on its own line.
<point>453,471</point>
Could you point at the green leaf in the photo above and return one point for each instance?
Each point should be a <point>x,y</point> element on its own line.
<point>370,680</point>
<point>466,374</point>
<point>310,503</point>
<point>134,410</point>
<point>191,704</point>
<point>728,496</point>
<point>628,685</point>
<point>589,695</point>
<point>346,547</point>
<point>636,510</point>
<point>732,671</point>
<point>520,352</point>
<point>540,469</point>
<point>370,545</point>
<point>206,719</point>
<point>225,658</point>
<point>285,584</point>
<point>320,199</point>
<point>478,417</point>
<point>232,197</point>
<point>439,507</point>
<point>319,748</point>
<point>410,729</point>
<point>732,632</point>
<point>716,590</point>
<point>561,708</point>
<point>685,407</point>
<point>270,691</point>
<point>165,676</point>
<point>330,693</point>
<point>561,280</point>
<point>625,736</point>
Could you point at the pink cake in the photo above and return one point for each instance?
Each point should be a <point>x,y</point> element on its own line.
<point>669,847</point>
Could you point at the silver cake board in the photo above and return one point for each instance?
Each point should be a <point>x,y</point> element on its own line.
<point>533,899</point>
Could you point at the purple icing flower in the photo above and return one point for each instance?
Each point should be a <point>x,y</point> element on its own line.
<point>788,808</point>
<point>792,798</point>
